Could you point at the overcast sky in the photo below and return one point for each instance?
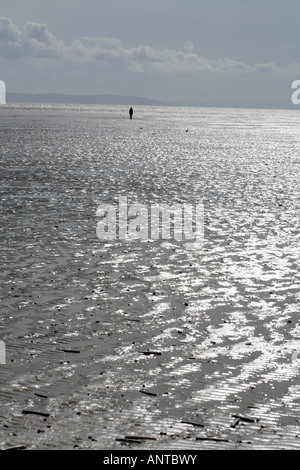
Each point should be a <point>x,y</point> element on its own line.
<point>215,52</point>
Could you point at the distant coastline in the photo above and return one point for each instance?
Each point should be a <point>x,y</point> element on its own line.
<point>61,98</point>
<point>101,99</point>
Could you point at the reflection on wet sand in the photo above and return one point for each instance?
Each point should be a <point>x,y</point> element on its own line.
<point>141,343</point>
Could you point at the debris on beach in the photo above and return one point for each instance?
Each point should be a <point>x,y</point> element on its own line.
<point>128,441</point>
<point>245,419</point>
<point>149,353</point>
<point>141,438</point>
<point>151,394</point>
<point>37,413</point>
<point>70,351</point>
<point>21,447</point>
<point>214,439</point>
<point>193,423</point>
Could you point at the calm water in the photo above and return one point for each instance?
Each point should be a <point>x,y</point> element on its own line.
<point>224,319</point>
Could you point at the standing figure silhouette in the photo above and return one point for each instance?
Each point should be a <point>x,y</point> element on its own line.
<point>130,113</point>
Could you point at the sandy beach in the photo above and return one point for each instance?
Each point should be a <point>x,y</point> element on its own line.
<point>142,344</point>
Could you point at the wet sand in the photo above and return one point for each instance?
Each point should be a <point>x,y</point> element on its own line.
<point>142,344</point>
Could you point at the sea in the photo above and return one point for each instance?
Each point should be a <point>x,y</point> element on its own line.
<point>140,342</point>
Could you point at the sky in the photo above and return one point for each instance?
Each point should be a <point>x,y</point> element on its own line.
<point>201,52</point>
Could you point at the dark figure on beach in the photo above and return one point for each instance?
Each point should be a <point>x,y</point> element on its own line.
<point>130,113</point>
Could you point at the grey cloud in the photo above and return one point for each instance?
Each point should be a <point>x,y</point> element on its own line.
<point>8,31</point>
<point>35,41</point>
<point>10,39</point>
<point>41,43</point>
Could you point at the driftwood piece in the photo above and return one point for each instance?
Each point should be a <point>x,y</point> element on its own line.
<point>16,448</point>
<point>151,394</point>
<point>128,441</point>
<point>193,423</point>
<point>71,351</point>
<point>37,413</point>
<point>214,439</point>
<point>245,419</point>
<point>149,353</point>
<point>40,395</point>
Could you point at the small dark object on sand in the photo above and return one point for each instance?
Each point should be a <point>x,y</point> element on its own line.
<point>151,394</point>
<point>246,420</point>
<point>193,423</point>
<point>38,413</point>
<point>235,423</point>
<point>214,439</point>
<point>128,441</point>
<point>71,351</point>
<point>148,353</point>
<point>16,448</point>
